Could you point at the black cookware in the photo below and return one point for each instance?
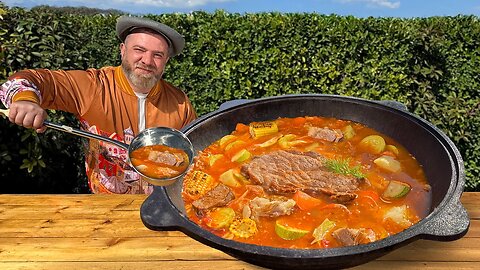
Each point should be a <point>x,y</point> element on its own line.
<point>441,160</point>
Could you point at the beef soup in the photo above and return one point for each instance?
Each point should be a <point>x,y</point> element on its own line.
<point>305,182</point>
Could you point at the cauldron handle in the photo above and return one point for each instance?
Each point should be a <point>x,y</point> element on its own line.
<point>158,213</point>
<point>450,224</point>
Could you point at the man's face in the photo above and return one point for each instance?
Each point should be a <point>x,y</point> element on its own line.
<point>144,56</point>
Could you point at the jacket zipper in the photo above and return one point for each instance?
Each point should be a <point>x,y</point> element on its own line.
<point>141,111</point>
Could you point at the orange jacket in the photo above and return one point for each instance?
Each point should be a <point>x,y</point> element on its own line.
<point>105,104</point>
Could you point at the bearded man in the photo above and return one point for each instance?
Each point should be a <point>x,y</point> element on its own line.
<point>117,102</point>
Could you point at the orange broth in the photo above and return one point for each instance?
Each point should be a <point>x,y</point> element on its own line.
<point>368,211</point>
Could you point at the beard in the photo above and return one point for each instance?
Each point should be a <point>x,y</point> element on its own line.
<point>141,81</point>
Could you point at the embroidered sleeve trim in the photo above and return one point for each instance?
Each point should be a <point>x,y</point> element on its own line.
<point>19,89</point>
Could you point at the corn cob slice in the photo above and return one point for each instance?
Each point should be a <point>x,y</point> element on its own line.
<point>259,129</point>
<point>198,183</point>
<point>243,228</point>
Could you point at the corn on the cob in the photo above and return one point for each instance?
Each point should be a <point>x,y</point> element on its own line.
<point>198,183</point>
<point>243,228</point>
<point>259,129</point>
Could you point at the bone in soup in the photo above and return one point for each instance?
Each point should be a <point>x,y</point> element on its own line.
<point>305,182</point>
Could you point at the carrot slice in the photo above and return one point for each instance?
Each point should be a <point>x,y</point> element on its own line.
<point>242,128</point>
<point>305,201</point>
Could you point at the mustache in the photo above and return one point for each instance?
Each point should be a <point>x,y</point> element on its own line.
<point>146,67</point>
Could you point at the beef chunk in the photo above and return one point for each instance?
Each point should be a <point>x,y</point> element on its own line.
<point>326,134</point>
<point>352,237</point>
<point>219,196</point>
<point>273,206</point>
<point>171,159</point>
<point>341,197</point>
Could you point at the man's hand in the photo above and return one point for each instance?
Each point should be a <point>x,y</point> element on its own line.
<point>28,114</point>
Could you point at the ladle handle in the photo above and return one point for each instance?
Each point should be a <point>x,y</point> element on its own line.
<point>77,132</point>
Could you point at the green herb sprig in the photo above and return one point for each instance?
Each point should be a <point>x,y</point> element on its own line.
<point>342,166</point>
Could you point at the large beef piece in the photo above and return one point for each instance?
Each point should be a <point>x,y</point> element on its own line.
<point>219,196</point>
<point>287,171</point>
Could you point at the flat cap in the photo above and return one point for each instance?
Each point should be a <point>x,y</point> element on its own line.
<point>125,25</point>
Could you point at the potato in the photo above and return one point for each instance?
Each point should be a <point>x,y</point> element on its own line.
<point>388,163</point>
<point>220,218</point>
<point>226,139</point>
<point>241,156</point>
<point>228,178</point>
<point>348,132</point>
<point>374,144</point>
<point>213,158</point>
<point>284,141</point>
<point>392,148</point>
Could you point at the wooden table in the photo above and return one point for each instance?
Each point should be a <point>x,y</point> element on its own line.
<point>105,232</point>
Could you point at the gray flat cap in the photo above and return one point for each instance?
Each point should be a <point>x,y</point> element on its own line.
<point>125,24</point>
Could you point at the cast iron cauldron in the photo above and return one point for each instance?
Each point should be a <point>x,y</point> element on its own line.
<point>441,160</point>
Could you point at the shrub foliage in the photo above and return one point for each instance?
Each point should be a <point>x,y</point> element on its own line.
<point>432,65</point>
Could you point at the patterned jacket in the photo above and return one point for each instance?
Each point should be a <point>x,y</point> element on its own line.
<point>105,104</point>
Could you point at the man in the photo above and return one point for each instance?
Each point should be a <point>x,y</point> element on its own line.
<point>117,102</point>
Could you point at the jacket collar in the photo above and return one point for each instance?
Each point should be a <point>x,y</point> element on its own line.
<point>122,80</point>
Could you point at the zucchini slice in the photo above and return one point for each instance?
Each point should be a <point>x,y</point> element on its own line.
<point>396,190</point>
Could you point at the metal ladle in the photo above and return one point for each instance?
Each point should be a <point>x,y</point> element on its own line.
<point>151,136</point>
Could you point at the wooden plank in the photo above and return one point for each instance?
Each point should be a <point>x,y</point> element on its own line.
<point>471,201</point>
<point>108,201</point>
<point>107,227</point>
<point>400,265</point>
<point>153,265</point>
<point>219,264</point>
<point>184,248</point>
<point>201,265</point>
<point>26,212</point>
<point>462,250</point>
<point>106,249</point>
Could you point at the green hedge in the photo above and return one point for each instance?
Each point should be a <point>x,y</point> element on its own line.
<point>429,64</point>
